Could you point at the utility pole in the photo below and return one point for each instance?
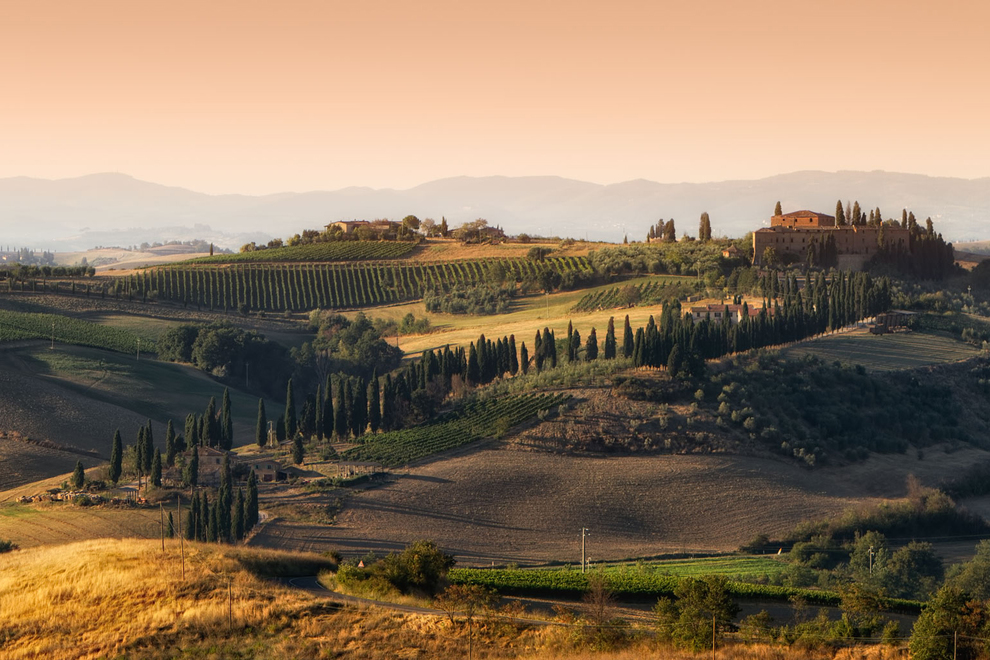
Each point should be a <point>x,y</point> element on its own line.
<point>871,560</point>
<point>230,606</point>
<point>53,334</point>
<point>161,516</point>
<point>713,637</point>
<point>138,359</point>
<point>584,533</point>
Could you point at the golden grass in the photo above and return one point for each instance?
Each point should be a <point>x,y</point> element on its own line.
<point>114,598</point>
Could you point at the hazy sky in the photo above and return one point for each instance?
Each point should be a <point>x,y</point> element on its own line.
<point>259,97</point>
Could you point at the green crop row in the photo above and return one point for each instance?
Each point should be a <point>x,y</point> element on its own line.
<point>66,330</point>
<point>646,293</point>
<point>474,421</point>
<point>303,287</point>
<point>570,583</point>
<point>330,251</point>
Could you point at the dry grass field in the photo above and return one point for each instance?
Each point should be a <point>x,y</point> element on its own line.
<point>57,523</point>
<point>439,249</point>
<point>901,350</point>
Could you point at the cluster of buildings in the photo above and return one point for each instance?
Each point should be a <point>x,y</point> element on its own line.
<point>790,235</point>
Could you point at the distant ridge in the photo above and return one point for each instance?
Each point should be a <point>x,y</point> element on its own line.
<point>117,209</point>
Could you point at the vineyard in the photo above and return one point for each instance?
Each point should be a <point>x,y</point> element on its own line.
<point>570,583</point>
<point>303,287</point>
<point>647,293</point>
<point>65,330</point>
<point>330,251</point>
<point>474,421</point>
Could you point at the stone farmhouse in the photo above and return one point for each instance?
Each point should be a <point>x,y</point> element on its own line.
<point>716,312</point>
<point>790,235</point>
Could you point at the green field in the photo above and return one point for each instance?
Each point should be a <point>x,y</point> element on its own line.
<point>66,330</point>
<point>158,390</point>
<point>901,350</point>
<point>741,567</point>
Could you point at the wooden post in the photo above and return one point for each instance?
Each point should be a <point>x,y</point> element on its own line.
<point>161,516</point>
<point>182,541</point>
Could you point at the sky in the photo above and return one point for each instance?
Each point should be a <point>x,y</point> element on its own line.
<point>261,96</point>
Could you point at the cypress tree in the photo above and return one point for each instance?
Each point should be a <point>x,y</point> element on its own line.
<point>340,414</point>
<point>327,416</point>
<point>191,473</point>
<point>524,359</point>
<point>374,405</point>
<point>224,500</point>
<point>210,435</point>
<point>575,342</point>
<point>252,502</point>
<point>170,448</point>
<point>261,428</point>
<point>627,339</point>
<point>192,519</point>
<point>78,477</point>
<point>237,524</point>
<point>513,358</point>
<point>298,453</point>
<point>226,422</point>
<point>705,228</point>
<point>359,417</point>
<point>777,210</point>
<point>213,530</point>
<point>290,411</point>
<point>156,469</point>
<point>473,366</point>
<point>571,348</point>
<point>191,431</point>
<point>610,339</point>
<point>348,406</point>
<point>170,529</point>
<point>840,214</point>
<point>116,458</point>
<point>318,411</point>
<point>204,518</point>
<point>550,339</point>
<point>538,351</point>
<point>591,347</point>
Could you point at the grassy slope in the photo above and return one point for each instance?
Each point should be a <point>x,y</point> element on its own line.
<point>75,381</point>
<point>903,350</point>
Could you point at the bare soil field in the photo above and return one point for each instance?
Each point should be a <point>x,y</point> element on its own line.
<point>21,462</point>
<point>507,505</point>
<point>439,249</point>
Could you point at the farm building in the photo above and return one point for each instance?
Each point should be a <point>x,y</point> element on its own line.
<point>791,234</point>
<point>717,312</point>
<point>265,469</point>
<point>348,226</point>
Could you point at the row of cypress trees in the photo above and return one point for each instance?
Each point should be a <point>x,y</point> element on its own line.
<point>229,517</point>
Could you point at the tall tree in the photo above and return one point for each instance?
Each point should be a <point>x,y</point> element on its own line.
<point>513,357</point>
<point>252,501</point>
<point>340,414</point>
<point>78,477</point>
<point>237,524</point>
<point>840,214</point>
<point>170,448</point>
<point>290,411</point>
<point>610,339</point>
<point>591,347</point>
<point>524,359</point>
<point>191,431</point>
<point>191,473</point>
<point>209,435</point>
<point>777,210</point>
<point>226,422</point>
<point>116,458</point>
<point>705,227</point>
<point>156,469</point>
<point>374,405</point>
<point>669,232</point>
<point>327,416</point>
<point>627,339</point>
<point>298,452</point>
<point>261,428</point>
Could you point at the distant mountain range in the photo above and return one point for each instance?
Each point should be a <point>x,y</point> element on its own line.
<point>118,210</point>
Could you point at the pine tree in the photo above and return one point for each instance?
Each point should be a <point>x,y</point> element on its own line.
<point>524,359</point>
<point>290,412</point>
<point>116,458</point>
<point>261,428</point>
<point>591,347</point>
<point>191,473</point>
<point>78,477</point>
<point>252,502</point>
<point>226,422</point>
<point>610,339</point>
<point>156,469</point>
<point>170,447</point>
